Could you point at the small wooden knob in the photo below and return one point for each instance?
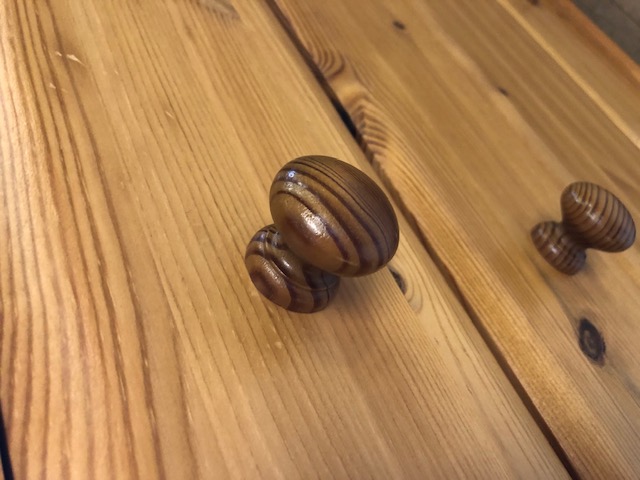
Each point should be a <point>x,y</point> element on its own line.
<point>330,220</point>
<point>592,217</point>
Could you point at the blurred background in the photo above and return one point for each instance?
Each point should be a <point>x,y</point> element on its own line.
<point>619,19</point>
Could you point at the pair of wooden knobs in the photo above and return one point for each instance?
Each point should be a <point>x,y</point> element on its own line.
<point>331,220</point>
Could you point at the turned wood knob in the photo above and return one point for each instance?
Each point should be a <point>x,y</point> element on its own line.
<point>592,217</point>
<point>330,220</point>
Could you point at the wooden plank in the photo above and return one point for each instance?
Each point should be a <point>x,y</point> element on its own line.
<point>594,37</point>
<point>137,144</point>
<point>619,19</point>
<point>477,129</point>
<point>604,72</point>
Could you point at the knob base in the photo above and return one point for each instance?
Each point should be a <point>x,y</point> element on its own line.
<point>284,278</point>
<point>558,247</point>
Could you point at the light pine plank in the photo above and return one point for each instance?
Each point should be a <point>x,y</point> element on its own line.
<point>137,144</point>
<point>619,19</point>
<point>594,37</point>
<point>478,128</point>
<point>583,52</point>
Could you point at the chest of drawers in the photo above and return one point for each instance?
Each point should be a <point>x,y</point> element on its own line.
<point>138,141</point>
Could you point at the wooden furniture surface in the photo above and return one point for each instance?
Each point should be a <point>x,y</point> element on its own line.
<point>477,115</point>
<point>138,142</point>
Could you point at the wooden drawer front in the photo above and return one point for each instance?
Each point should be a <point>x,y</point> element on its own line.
<point>138,140</point>
<point>477,121</point>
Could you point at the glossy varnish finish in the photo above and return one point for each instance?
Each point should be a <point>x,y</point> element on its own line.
<point>331,220</point>
<point>592,217</point>
<point>334,216</point>
<point>138,141</point>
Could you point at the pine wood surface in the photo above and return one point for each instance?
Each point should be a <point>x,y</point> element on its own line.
<point>477,124</point>
<point>617,20</point>
<point>138,140</point>
<point>602,70</point>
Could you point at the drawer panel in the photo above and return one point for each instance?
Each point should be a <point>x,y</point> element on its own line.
<point>477,121</point>
<point>138,141</point>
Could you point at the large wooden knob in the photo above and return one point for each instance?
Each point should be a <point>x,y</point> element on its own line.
<point>592,217</point>
<point>330,220</point>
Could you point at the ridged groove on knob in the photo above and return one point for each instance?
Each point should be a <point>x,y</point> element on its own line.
<point>283,277</point>
<point>558,248</point>
<point>592,217</point>
<point>334,216</point>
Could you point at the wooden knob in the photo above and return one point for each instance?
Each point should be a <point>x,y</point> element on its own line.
<point>592,217</point>
<point>330,220</point>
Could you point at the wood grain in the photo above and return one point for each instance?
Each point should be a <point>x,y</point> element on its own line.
<point>576,13</point>
<point>583,52</point>
<point>138,141</point>
<point>477,127</point>
<point>283,277</point>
